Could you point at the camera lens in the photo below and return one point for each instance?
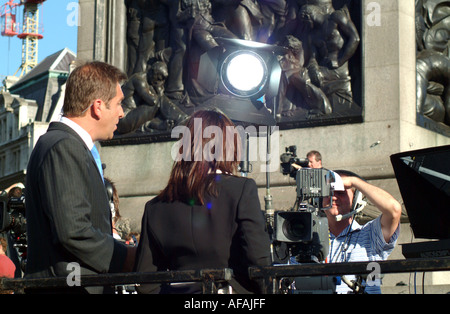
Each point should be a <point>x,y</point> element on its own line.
<point>295,229</point>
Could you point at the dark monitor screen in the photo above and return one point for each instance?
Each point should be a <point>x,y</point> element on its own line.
<point>423,177</point>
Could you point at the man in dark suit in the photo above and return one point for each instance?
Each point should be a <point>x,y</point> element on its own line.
<point>68,213</point>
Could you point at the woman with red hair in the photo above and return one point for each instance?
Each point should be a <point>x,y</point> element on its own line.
<point>206,217</point>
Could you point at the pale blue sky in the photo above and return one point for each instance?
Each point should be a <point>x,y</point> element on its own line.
<point>58,22</point>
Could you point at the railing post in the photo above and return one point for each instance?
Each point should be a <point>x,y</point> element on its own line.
<point>209,285</point>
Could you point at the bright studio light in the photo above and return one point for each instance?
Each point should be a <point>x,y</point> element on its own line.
<point>244,73</point>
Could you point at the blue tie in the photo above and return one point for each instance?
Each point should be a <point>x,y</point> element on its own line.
<point>96,156</point>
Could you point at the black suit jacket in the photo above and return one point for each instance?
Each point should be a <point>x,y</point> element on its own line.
<point>229,231</point>
<point>67,209</point>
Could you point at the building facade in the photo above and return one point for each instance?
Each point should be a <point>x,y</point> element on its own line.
<point>27,106</point>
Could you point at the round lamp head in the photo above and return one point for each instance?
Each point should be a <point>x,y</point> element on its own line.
<point>244,73</point>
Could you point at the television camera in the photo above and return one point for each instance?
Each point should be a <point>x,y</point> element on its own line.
<point>300,235</point>
<point>304,228</point>
<point>289,158</point>
<point>12,220</point>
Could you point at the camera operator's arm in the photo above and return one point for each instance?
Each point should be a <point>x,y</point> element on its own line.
<point>391,209</point>
<point>4,193</point>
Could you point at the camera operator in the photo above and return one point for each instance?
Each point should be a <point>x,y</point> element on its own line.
<point>314,160</point>
<point>351,242</point>
<point>15,192</point>
<point>11,191</point>
<point>13,225</point>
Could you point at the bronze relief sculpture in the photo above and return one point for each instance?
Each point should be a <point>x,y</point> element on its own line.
<point>166,40</point>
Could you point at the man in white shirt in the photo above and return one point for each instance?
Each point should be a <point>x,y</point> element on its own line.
<point>351,242</point>
<point>68,212</point>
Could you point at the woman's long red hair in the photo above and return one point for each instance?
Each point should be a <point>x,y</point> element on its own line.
<point>191,180</point>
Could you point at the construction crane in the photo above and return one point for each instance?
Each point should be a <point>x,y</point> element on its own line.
<point>9,27</point>
<point>28,31</point>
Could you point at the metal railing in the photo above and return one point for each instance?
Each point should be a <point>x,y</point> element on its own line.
<point>271,274</point>
<point>210,278</point>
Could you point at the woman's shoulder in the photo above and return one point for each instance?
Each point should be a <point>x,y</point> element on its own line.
<point>155,200</point>
<point>235,181</point>
<point>158,202</point>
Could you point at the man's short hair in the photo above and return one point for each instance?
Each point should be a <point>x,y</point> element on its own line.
<point>90,81</point>
<point>15,192</point>
<point>316,155</point>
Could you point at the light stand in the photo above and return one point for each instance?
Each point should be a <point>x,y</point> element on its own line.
<point>247,74</point>
<point>242,92</point>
